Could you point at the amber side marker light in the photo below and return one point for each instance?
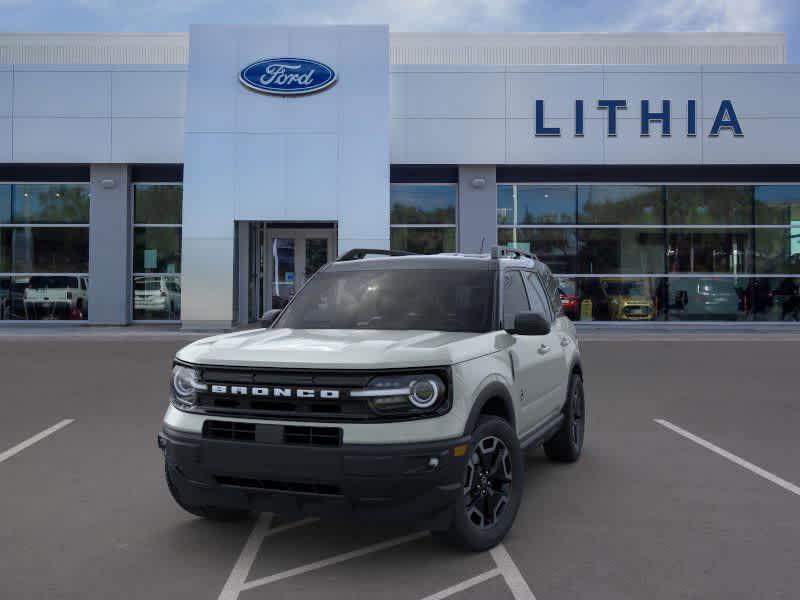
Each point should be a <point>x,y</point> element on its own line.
<point>460,450</point>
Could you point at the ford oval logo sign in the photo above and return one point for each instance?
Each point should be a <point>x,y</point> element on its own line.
<point>287,76</point>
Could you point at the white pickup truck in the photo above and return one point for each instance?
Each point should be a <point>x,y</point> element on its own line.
<point>56,297</point>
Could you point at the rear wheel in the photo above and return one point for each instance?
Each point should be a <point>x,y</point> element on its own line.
<point>213,513</point>
<point>567,443</point>
<point>492,490</point>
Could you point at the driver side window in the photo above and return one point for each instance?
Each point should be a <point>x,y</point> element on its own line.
<point>515,299</point>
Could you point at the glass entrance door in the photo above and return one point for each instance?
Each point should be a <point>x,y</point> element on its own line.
<point>291,256</point>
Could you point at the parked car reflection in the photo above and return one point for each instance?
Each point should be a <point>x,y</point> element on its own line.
<point>569,297</point>
<point>628,299</point>
<point>156,297</point>
<point>717,298</point>
<point>56,297</point>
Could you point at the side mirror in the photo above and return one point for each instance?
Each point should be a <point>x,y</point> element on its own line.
<point>269,317</point>
<point>530,323</point>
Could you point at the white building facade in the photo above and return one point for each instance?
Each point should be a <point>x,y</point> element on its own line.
<point>142,178</point>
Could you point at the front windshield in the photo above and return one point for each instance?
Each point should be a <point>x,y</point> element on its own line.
<point>625,288</point>
<point>434,300</point>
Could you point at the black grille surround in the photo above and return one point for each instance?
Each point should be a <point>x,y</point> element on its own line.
<point>344,409</point>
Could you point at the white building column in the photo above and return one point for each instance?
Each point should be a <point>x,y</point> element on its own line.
<point>109,245</point>
<point>477,208</point>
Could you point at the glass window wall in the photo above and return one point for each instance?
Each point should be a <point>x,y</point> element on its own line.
<point>777,250</point>
<point>423,217</point>
<point>649,252</point>
<point>709,205</point>
<point>621,250</point>
<point>710,251</point>
<point>157,212</point>
<point>535,204</point>
<point>556,247</point>
<point>44,251</point>
<point>620,205</point>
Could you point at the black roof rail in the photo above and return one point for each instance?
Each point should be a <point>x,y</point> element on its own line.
<point>359,253</point>
<point>505,252</point>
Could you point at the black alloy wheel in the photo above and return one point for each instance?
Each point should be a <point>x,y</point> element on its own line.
<point>487,482</point>
<point>492,484</point>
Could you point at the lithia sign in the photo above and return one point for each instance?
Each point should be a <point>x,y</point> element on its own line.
<point>725,120</point>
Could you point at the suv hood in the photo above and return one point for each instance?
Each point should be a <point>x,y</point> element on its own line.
<point>338,348</point>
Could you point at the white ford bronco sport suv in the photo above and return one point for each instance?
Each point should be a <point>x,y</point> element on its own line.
<point>401,386</point>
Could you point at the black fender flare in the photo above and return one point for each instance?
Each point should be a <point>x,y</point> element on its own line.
<point>495,389</point>
<point>574,367</point>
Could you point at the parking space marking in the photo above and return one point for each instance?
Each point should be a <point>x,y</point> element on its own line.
<point>261,530</point>
<point>514,579</point>
<point>237,580</point>
<point>464,585</point>
<point>334,560</point>
<point>4,456</point>
<point>731,457</point>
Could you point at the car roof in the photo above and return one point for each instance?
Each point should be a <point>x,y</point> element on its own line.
<point>436,261</point>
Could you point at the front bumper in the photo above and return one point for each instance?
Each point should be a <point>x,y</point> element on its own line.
<point>387,481</point>
<point>636,312</point>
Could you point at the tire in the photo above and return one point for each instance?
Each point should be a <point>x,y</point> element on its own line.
<point>470,529</point>
<point>566,445</point>
<point>212,513</point>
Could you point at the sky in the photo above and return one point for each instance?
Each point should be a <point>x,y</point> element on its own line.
<point>414,15</point>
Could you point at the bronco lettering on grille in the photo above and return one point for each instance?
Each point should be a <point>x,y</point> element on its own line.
<point>275,392</point>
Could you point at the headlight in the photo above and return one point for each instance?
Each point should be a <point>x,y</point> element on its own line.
<point>404,394</point>
<point>185,385</point>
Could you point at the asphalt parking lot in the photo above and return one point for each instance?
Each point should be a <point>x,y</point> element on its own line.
<point>702,503</point>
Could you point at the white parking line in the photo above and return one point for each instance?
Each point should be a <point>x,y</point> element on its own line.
<point>33,439</point>
<point>731,457</point>
<point>237,580</point>
<point>240,571</point>
<point>514,579</point>
<point>464,585</point>
<point>339,558</point>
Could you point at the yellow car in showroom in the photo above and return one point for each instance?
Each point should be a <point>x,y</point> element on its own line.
<point>628,299</point>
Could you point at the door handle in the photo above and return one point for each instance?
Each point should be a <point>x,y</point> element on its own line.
<point>544,349</point>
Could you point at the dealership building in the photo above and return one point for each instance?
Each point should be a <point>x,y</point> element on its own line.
<point>200,178</point>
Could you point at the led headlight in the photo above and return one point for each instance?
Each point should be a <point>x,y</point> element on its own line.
<point>424,392</point>
<point>185,385</point>
<point>404,394</point>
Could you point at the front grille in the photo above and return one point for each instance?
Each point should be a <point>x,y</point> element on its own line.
<point>294,487</point>
<point>330,437</point>
<point>343,408</point>
<point>312,436</point>
<point>226,430</point>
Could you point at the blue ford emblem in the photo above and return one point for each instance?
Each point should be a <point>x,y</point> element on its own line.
<point>287,76</point>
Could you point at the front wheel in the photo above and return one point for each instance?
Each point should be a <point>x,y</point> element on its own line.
<point>492,487</point>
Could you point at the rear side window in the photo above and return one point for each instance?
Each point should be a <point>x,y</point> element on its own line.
<point>515,299</point>
<point>551,288</point>
<point>539,302</point>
